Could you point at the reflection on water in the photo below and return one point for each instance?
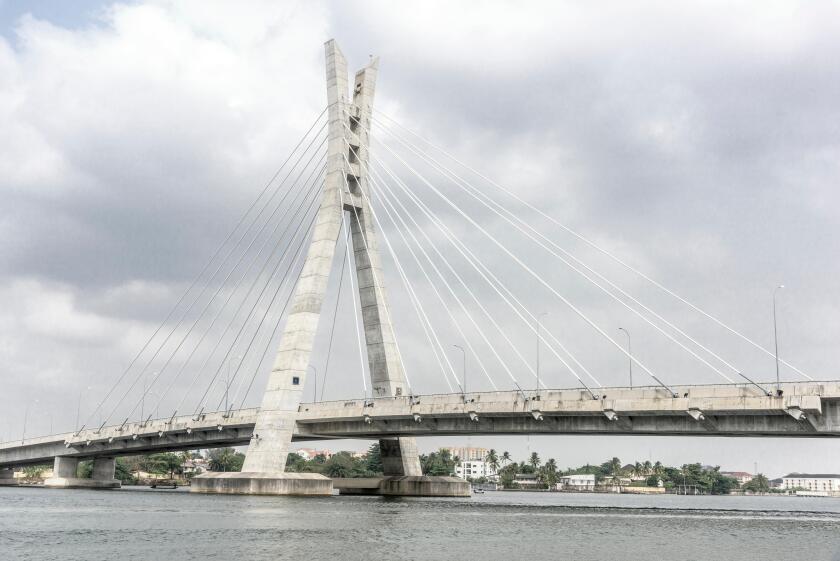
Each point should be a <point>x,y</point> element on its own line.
<point>41,524</point>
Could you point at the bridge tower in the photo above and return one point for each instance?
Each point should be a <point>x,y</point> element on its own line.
<point>345,197</point>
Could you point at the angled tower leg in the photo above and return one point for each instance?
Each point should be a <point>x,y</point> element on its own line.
<point>265,461</point>
<point>399,456</point>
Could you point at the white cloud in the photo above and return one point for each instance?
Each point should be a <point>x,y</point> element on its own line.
<point>698,143</point>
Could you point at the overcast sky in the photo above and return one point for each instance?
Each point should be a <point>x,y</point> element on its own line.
<point>701,144</point>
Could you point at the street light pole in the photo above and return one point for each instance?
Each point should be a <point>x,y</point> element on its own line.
<point>227,380</point>
<point>79,407</point>
<point>464,354</point>
<point>776,340</point>
<point>539,324</point>
<point>315,381</point>
<point>25,418</point>
<point>629,354</point>
<point>143,397</point>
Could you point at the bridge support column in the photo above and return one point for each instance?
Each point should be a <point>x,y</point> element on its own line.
<point>65,476</point>
<point>7,477</point>
<point>403,476</point>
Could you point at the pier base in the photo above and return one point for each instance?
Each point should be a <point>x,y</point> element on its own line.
<point>404,486</point>
<point>7,478</point>
<point>253,483</point>
<point>65,477</point>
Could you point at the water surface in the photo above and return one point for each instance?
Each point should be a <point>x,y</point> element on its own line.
<point>133,523</point>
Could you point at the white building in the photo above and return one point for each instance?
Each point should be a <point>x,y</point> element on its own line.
<point>742,477</point>
<point>310,454</point>
<point>577,482</point>
<point>827,484</point>
<point>475,469</point>
<point>467,454</point>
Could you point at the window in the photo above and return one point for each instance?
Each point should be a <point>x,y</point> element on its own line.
<point>295,381</point>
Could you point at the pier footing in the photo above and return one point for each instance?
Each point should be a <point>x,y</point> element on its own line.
<point>252,483</point>
<point>65,476</point>
<point>404,486</point>
<point>7,478</point>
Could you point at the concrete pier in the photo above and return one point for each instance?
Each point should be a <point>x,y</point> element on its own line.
<point>257,483</point>
<point>7,478</point>
<point>65,474</point>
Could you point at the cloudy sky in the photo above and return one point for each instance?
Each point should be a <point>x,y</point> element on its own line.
<point>701,144</point>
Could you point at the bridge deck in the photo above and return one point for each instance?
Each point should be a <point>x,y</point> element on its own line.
<point>804,410</point>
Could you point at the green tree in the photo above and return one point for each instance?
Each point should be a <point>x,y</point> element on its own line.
<point>548,474</point>
<point>534,460</point>
<point>84,469</point>
<point>33,473</point>
<point>295,463</point>
<point>339,465</point>
<point>758,484</point>
<point>122,471</point>
<point>506,459</point>
<point>226,459</point>
<point>374,459</point>
<point>165,463</point>
<point>507,475</point>
<point>492,460</point>
<point>438,463</point>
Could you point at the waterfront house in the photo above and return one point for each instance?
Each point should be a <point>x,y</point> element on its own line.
<point>577,482</point>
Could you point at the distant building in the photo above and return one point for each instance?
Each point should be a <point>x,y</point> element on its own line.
<point>310,454</point>
<point>827,484</point>
<point>468,454</point>
<point>741,476</point>
<point>194,466</point>
<point>577,482</point>
<point>475,469</point>
<point>527,480</point>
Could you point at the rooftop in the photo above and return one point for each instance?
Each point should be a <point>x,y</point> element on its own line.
<point>812,476</point>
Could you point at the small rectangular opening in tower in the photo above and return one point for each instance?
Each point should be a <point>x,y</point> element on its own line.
<point>353,183</point>
<point>354,124</point>
<point>353,154</point>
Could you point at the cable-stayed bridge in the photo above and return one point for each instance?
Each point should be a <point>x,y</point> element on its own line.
<point>360,198</point>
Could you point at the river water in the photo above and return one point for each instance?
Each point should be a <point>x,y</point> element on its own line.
<point>68,525</point>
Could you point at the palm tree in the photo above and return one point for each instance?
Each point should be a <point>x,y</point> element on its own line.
<point>647,467</point>
<point>492,460</point>
<point>637,469</point>
<point>658,468</point>
<point>534,460</point>
<point>548,473</point>
<point>615,466</point>
<point>506,457</point>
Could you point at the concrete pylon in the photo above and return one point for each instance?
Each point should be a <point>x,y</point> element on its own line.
<point>65,476</point>
<point>7,477</point>
<point>345,191</point>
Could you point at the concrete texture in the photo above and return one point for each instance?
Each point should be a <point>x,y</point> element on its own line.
<point>346,175</point>
<point>276,421</point>
<point>245,483</point>
<point>406,486</point>
<point>806,410</point>
<point>7,478</point>
<point>400,456</point>
<point>65,474</point>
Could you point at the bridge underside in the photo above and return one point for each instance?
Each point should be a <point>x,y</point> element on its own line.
<point>804,411</point>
